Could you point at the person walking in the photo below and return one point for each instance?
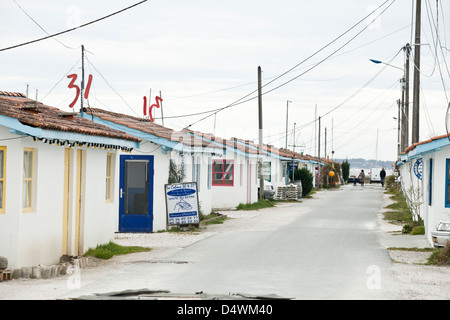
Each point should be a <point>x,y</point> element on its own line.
<point>382,176</point>
<point>361,177</point>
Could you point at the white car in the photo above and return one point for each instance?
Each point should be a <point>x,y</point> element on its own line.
<point>374,175</point>
<point>442,234</point>
<point>269,190</point>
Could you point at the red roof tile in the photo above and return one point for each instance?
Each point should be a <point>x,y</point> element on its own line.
<point>414,145</point>
<point>38,115</point>
<point>147,126</point>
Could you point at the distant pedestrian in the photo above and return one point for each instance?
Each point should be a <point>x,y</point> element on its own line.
<point>382,176</point>
<point>361,177</point>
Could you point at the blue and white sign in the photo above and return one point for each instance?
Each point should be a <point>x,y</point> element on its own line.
<point>418,168</point>
<point>182,203</point>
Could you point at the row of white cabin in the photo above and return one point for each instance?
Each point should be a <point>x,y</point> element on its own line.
<point>424,169</point>
<point>69,182</point>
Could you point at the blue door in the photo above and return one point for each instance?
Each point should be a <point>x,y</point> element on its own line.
<point>136,193</point>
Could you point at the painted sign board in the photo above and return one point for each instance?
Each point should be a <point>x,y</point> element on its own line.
<point>182,203</point>
<point>418,168</point>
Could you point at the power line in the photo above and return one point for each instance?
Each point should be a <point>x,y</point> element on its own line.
<point>64,77</point>
<point>106,81</point>
<point>241,100</point>
<point>40,25</point>
<point>329,56</point>
<point>72,29</point>
<point>250,83</point>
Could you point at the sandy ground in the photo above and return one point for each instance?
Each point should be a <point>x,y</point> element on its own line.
<point>417,280</point>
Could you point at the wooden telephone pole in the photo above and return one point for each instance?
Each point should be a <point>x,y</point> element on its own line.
<point>416,89</point>
<point>405,113</point>
<point>261,178</point>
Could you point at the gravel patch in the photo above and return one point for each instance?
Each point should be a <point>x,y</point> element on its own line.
<point>417,280</point>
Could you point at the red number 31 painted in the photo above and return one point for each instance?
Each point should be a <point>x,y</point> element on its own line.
<point>72,85</point>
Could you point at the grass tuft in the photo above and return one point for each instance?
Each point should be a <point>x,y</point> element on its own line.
<point>261,204</point>
<point>107,251</point>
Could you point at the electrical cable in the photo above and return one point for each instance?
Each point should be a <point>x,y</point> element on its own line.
<point>241,100</point>
<point>41,26</point>
<point>64,77</point>
<point>106,81</point>
<point>252,83</point>
<point>72,29</point>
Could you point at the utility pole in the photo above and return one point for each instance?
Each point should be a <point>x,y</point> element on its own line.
<point>162,114</point>
<point>287,112</point>
<point>318,163</point>
<point>405,113</point>
<point>286,145</point>
<point>398,129</point>
<point>416,93</point>
<point>332,138</point>
<point>293,156</point>
<point>82,77</point>
<point>261,179</point>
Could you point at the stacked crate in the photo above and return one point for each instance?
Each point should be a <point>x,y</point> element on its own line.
<point>288,192</point>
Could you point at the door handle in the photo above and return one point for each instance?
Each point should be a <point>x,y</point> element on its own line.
<point>121,193</point>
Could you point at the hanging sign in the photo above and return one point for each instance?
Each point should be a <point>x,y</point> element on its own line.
<point>182,203</point>
<point>72,85</point>
<point>157,105</point>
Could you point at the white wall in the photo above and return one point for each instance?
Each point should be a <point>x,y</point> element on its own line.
<point>35,237</point>
<point>32,238</point>
<point>431,214</point>
<point>245,188</point>
<point>99,215</point>
<point>197,168</point>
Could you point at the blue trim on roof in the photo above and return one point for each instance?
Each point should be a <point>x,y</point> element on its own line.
<point>424,149</point>
<point>269,154</point>
<point>16,127</point>
<point>167,145</point>
<point>226,147</point>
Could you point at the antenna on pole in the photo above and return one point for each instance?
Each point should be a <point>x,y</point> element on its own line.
<point>82,77</point>
<point>162,113</point>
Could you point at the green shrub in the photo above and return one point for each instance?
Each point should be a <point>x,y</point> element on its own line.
<point>440,256</point>
<point>391,185</point>
<point>407,228</point>
<point>345,170</point>
<point>306,178</point>
<point>418,230</point>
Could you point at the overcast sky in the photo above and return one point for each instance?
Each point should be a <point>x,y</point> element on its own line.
<point>204,55</point>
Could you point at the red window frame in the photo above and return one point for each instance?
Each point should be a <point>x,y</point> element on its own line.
<point>221,174</point>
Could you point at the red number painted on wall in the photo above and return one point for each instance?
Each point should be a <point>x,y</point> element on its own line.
<point>72,85</point>
<point>157,105</point>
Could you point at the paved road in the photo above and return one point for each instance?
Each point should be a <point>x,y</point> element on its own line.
<point>327,247</point>
<point>324,248</point>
